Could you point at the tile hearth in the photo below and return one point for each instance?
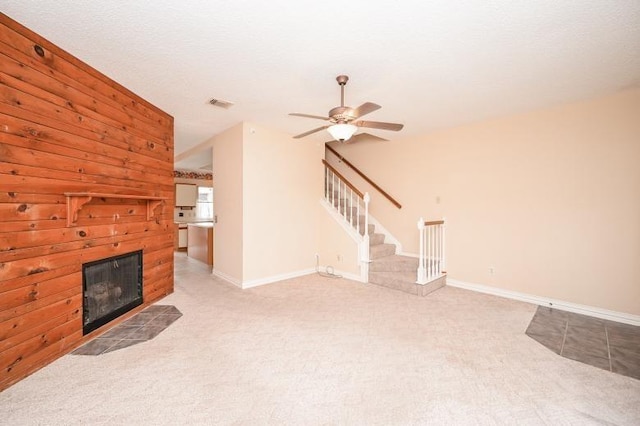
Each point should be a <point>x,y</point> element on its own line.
<point>141,327</point>
<point>609,345</point>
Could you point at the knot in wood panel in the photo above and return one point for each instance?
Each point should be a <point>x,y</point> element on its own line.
<point>38,270</point>
<point>39,50</point>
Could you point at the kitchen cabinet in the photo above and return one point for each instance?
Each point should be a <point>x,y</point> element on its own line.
<point>186,195</point>
<point>200,242</point>
<point>180,236</point>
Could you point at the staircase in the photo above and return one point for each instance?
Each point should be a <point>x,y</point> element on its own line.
<point>394,271</point>
<point>382,265</point>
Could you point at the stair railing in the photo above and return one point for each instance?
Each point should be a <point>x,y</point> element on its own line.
<point>350,203</point>
<point>363,176</point>
<point>431,261</point>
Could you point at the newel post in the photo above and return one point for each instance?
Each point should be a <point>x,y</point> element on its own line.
<point>422,270</point>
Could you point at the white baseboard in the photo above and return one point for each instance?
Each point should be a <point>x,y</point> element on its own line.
<point>548,302</point>
<point>276,278</point>
<point>350,276</point>
<point>227,278</point>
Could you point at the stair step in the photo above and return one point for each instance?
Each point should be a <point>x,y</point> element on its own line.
<point>394,263</point>
<point>372,228</point>
<point>375,239</point>
<point>381,250</point>
<point>406,282</point>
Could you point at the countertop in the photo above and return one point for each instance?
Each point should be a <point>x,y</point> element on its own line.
<point>188,221</point>
<point>202,224</point>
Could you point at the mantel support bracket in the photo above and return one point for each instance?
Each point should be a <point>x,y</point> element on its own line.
<point>74,205</point>
<point>151,206</point>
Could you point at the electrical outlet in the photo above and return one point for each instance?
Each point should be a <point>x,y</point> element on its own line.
<point>491,270</point>
<point>339,258</point>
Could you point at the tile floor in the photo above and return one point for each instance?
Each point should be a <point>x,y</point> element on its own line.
<point>141,327</point>
<point>609,345</point>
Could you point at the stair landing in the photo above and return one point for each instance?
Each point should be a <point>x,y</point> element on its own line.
<point>406,282</point>
<point>397,272</point>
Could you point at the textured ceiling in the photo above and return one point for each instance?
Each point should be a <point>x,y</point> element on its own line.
<point>431,65</point>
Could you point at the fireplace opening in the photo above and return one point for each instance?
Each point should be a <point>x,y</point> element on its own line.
<point>110,287</point>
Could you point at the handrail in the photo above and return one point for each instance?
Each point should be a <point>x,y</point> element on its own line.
<point>346,182</point>
<point>363,176</point>
<point>434,222</point>
<point>350,204</point>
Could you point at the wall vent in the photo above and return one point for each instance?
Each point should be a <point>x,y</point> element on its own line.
<point>220,103</point>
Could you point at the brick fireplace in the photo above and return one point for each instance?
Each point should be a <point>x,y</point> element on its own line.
<point>86,174</point>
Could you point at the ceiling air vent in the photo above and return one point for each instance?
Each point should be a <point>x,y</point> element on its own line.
<point>220,103</point>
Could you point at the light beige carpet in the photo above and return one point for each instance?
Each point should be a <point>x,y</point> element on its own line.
<point>324,351</point>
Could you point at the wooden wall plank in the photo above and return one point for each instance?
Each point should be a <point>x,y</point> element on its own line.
<point>37,126</point>
<point>68,128</point>
<point>20,38</point>
<point>13,151</point>
<point>19,132</point>
<point>32,81</point>
<point>72,120</point>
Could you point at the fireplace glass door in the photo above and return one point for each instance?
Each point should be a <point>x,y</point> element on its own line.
<point>110,287</point>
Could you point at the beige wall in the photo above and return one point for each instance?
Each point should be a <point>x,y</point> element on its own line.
<point>282,183</point>
<point>550,199</point>
<point>336,248</point>
<point>227,166</point>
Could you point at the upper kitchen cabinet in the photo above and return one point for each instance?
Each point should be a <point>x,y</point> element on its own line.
<point>186,195</point>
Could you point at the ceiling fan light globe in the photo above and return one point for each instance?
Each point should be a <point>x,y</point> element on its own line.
<point>342,132</point>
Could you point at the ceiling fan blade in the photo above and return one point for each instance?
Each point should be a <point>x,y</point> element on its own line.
<point>302,135</point>
<point>379,125</point>
<point>365,108</point>
<point>297,114</point>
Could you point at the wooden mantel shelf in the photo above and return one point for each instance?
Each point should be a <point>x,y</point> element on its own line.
<point>76,200</point>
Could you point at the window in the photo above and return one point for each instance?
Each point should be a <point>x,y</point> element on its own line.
<point>204,203</point>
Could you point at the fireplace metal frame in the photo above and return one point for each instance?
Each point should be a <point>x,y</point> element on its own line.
<point>99,322</point>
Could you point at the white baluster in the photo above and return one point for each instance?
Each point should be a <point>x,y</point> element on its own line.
<point>439,250</point>
<point>333,188</point>
<point>365,251</point>
<point>421,278</point>
<point>351,197</point>
<point>444,239</point>
<point>437,253</point>
<point>326,183</point>
<point>358,214</point>
<point>434,231</point>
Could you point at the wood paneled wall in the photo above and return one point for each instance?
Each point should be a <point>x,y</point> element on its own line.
<point>64,127</point>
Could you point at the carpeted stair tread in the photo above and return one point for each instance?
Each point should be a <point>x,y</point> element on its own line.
<point>381,250</point>
<point>376,238</point>
<point>394,263</point>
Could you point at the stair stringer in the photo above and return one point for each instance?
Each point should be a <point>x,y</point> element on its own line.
<point>388,236</point>
<point>355,236</point>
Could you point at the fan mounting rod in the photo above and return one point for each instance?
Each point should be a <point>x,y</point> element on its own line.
<point>342,80</point>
